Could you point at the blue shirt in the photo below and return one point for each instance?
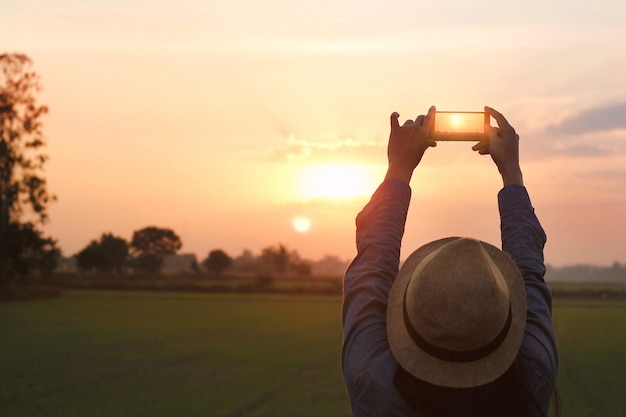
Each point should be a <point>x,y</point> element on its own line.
<point>368,364</point>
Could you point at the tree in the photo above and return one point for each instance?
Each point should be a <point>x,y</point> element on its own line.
<point>217,261</point>
<point>109,254</point>
<point>90,257</point>
<point>115,251</point>
<point>302,269</point>
<point>246,263</point>
<point>330,265</point>
<point>27,250</point>
<point>195,268</point>
<point>276,259</point>
<point>23,189</point>
<point>151,244</point>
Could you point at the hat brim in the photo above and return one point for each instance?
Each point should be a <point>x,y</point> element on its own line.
<point>455,374</point>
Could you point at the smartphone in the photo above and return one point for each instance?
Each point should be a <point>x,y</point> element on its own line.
<point>460,125</point>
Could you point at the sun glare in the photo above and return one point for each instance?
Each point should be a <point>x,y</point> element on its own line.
<point>337,181</point>
<point>469,122</point>
<point>301,224</point>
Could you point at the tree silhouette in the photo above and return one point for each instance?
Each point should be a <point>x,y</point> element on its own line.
<point>217,261</point>
<point>302,269</point>
<point>109,254</point>
<point>116,251</point>
<point>23,189</point>
<point>27,250</point>
<point>151,244</point>
<point>276,259</point>
<point>90,257</point>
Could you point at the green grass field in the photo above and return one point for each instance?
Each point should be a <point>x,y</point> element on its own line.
<point>592,348</point>
<point>101,353</point>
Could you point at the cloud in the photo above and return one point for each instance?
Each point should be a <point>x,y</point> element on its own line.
<point>547,143</point>
<point>543,147</point>
<point>578,150</point>
<point>613,175</point>
<point>536,145</point>
<point>300,150</point>
<point>600,119</point>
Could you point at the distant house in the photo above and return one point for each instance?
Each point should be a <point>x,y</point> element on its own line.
<point>173,264</point>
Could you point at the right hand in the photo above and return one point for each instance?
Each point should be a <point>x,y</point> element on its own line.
<point>407,144</point>
<point>502,144</point>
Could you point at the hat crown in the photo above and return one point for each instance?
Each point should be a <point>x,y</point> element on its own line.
<point>457,298</point>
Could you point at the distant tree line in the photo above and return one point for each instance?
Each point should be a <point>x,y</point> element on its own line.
<point>587,272</point>
<point>114,255</point>
<point>146,251</point>
<point>280,262</point>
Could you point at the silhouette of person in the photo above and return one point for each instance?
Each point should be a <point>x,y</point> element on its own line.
<point>463,328</point>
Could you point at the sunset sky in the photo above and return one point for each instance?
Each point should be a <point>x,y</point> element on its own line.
<point>226,121</point>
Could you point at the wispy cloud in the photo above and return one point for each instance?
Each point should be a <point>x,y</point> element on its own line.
<point>614,175</point>
<point>582,150</point>
<point>599,119</point>
<point>542,147</point>
<point>300,150</point>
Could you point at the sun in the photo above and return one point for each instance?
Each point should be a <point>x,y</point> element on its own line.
<point>301,224</point>
<point>456,120</point>
<point>337,181</point>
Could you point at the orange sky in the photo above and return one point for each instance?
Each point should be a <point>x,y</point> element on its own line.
<point>226,120</point>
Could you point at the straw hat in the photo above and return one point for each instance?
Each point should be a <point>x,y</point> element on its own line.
<point>457,313</point>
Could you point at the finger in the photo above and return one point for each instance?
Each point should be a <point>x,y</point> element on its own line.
<point>429,120</point>
<point>492,132</point>
<point>480,145</point>
<point>420,119</point>
<point>481,149</point>
<point>394,121</point>
<point>408,123</point>
<point>502,122</point>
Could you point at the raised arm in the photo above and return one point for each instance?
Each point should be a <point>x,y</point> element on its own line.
<point>523,238</point>
<point>380,226</point>
<point>522,235</point>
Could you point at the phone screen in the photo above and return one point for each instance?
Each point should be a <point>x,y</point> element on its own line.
<point>459,125</point>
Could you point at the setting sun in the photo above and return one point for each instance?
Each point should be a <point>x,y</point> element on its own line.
<point>301,224</point>
<point>337,181</point>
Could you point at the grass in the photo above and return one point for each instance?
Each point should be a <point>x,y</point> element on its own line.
<point>198,283</point>
<point>592,349</point>
<point>158,354</point>
<point>105,353</point>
